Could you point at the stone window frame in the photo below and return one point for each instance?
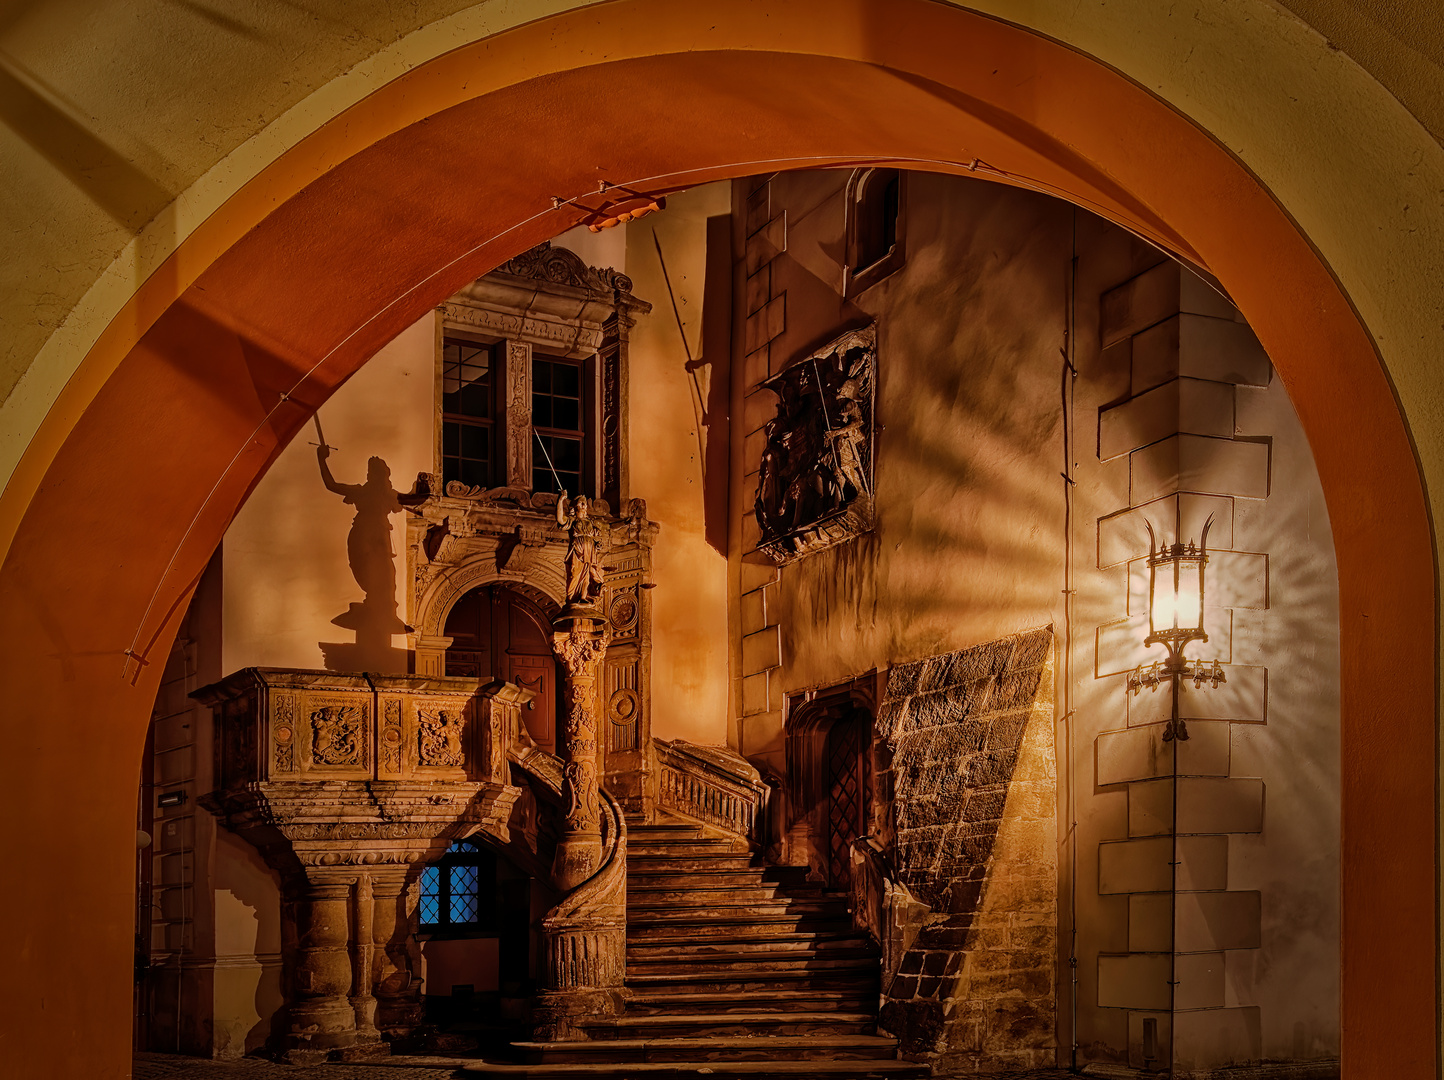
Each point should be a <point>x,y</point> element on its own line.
<point>482,923</point>
<point>547,302</point>
<point>858,195</point>
<point>495,424</point>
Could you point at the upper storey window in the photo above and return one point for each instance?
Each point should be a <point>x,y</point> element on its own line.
<point>468,413</point>
<point>876,215</point>
<point>558,411</point>
<point>533,374</point>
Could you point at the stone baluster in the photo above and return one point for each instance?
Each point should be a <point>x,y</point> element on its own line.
<point>580,637</point>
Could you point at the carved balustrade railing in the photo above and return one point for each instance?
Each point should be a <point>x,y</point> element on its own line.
<point>714,785</point>
<point>882,905</point>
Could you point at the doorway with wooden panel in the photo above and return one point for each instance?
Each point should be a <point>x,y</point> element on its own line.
<point>497,633</point>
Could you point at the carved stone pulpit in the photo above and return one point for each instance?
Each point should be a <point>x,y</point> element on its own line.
<point>348,785</point>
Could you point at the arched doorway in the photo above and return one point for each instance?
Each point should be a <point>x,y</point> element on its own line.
<point>188,396</point>
<point>496,633</point>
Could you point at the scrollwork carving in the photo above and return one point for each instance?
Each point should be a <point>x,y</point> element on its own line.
<point>391,737</point>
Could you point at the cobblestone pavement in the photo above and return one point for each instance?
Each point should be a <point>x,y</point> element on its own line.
<point>174,1067</point>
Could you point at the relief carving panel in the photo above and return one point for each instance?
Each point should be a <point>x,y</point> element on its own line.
<point>815,487</point>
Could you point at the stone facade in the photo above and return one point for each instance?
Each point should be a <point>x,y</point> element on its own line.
<point>973,782</point>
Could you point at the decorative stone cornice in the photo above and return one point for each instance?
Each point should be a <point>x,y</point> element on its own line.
<point>546,297</point>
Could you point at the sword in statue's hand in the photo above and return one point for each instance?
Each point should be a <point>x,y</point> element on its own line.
<point>322,445</point>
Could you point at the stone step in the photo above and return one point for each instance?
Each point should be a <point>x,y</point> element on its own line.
<point>744,1048</point>
<point>801,942</point>
<point>681,846</point>
<point>729,1025</point>
<point>687,864</point>
<point>676,828</point>
<point>644,928</point>
<point>654,1002</point>
<point>711,1070</point>
<point>858,980</point>
<point>747,875</point>
<point>676,910</point>
<point>707,894</point>
<point>754,963</point>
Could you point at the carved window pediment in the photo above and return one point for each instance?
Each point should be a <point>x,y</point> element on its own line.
<point>815,487</point>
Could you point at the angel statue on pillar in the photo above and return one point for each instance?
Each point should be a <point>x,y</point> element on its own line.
<point>584,567</point>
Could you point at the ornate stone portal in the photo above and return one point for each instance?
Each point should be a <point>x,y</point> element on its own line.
<point>815,487</point>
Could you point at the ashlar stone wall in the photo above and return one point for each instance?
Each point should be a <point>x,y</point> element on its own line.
<point>974,783</point>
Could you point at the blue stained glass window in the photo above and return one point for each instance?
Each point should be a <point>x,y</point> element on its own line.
<point>458,890</point>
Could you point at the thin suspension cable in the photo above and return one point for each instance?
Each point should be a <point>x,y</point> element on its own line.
<point>550,466</point>
<point>777,163</point>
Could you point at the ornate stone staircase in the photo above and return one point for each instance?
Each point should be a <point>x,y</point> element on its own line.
<point>733,969</point>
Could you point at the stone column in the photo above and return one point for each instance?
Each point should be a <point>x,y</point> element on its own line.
<point>579,639</point>
<point>363,950</point>
<point>399,1010</point>
<point>322,1017</point>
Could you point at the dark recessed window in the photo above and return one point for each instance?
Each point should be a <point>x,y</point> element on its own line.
<point>876,214</point>
<point>877,210</point>
<point>558,412</point>
<point>468,446</point>
<point>459,891</point>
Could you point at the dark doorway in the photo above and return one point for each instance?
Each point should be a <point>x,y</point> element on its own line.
<point>499,634</point>
<point>845,756</point>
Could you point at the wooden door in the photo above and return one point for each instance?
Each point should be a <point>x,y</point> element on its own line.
<point>845,759</point>
<point>499,634</point>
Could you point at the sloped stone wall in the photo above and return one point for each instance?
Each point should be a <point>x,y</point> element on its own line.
<point>974,788</point>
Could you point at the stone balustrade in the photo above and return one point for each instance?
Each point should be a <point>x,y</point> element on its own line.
<point>712,784</point>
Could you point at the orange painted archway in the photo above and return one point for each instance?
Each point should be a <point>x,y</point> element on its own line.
<point>221,356</point>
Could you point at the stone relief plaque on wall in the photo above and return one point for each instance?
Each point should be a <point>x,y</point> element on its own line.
<point>815,487</point>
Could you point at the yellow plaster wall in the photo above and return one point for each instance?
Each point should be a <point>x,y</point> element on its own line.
<point>669,443</point>
<point>284,558</point>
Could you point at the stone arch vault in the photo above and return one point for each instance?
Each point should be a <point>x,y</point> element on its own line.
<point>217,358</point>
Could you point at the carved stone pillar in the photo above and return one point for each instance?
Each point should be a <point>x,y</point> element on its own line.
<point>579,639</point>
<point>586,943</point>
<point>363,951</point>
<point>322,1017</point>
<point>518,414</point>
<point>399,1010</point>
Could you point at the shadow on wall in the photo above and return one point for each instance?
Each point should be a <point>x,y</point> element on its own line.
<point>373,563</point>
<point>716,353</point>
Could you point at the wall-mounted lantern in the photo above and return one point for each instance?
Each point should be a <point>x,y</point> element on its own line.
<point>1175,617</point>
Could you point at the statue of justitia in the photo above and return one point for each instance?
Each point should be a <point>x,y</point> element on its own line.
<point>584,568</point>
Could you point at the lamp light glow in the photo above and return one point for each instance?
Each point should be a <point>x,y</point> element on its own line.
<point>1175,594</point>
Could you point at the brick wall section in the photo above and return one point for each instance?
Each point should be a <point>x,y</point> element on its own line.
<point>974,787</point>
